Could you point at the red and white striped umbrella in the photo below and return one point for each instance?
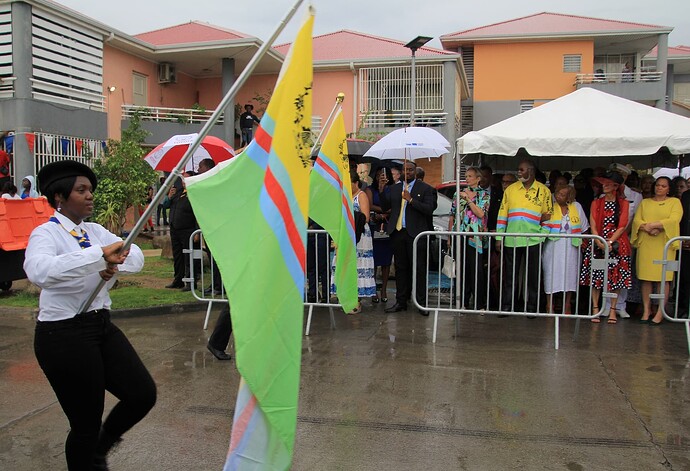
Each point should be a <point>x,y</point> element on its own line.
<point>166,156</point>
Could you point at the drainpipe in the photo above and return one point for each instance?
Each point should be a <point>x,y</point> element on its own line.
<point>662,66</point>
<point>355,106</point>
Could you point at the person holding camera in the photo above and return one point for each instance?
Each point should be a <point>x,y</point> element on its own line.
<point>609,219</point>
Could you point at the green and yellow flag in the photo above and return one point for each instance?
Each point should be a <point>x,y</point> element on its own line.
<point>253,212</point>
<point>330,206</point>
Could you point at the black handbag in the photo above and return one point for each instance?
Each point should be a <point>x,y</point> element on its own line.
<point>360,222</point>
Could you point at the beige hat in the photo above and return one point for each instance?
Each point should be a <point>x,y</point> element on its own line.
<point>620,168</point>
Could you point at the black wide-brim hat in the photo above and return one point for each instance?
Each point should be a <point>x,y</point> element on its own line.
<point>55,171</point>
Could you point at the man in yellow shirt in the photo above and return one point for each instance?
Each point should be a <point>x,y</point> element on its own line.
<point>525,206</point>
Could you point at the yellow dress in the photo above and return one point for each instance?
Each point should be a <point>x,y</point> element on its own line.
<point>650,248</point>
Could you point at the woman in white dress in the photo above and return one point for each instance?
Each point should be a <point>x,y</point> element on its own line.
<point>561,256</point>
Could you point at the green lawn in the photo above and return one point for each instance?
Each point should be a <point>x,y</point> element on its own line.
<point>131,291</point>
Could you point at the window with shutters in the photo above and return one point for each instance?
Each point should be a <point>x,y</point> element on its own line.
<point>572,63</point>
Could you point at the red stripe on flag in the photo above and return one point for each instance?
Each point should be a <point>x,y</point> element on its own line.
<point>240,426</point>
<point>330,171</point>
<point>276,193</point>
<point>264,139</point>
<point>350,216</point>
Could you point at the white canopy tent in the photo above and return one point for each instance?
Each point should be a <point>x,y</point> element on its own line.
<point>585,128</point>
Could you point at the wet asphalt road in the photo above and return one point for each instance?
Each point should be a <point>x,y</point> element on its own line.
<point>377,394</point>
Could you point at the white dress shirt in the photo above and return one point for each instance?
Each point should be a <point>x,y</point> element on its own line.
<point>68,274</point>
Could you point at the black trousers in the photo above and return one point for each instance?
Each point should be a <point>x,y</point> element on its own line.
<point>318,260</point>
<point>221,332</point>
<point>513,258</point>
<point>161,210</point>
<point>83,357</point>
<point>403,245</point>
<point>474,277</point>
<point>217,281</point>
<point>179,239</point>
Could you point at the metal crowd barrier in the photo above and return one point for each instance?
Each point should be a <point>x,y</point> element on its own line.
<point>681,270</point>
<point>487,283</point>
<point>204,275</point>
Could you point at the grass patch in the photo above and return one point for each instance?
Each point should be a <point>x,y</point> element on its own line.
<point>157,267</point>
<point>143,289</point>
<point>145,245</point>
<point>19,298</point>
<point>128,297</point>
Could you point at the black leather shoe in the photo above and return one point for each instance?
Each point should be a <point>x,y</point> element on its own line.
<point>423,312</point>
<point>188,287</point>
<point>397,307</point>
<point>175,285</point>
<point>220,354</point>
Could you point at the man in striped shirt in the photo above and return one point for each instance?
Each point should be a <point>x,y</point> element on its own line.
<point>526,205</point>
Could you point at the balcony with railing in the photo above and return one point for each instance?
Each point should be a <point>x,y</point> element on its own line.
<point>163,122</point>
<point>169,115</point>
<point>639,86</point>
<point>385,96</point>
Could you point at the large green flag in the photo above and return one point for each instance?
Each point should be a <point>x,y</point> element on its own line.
<point>330,206</point>
<point>253,213</point>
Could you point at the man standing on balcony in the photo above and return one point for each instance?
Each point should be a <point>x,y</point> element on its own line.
<point>247,120</point>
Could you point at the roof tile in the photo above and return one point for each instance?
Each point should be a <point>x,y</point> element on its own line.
<point>347,45</point>
<point>550,24</point>
<point>192,32</point>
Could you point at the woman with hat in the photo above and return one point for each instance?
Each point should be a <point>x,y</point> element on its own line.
<point>656,221</point>
<point>608,219</point>
<point>79,350</point>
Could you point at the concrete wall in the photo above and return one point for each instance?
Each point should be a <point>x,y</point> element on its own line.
<point>51,118</point>
<point>487,113</point>
<point>327,85</point>
<point>638,91</point>
<point>527,71</point>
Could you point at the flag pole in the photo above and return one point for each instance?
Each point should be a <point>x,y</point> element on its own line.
<point>177,171</point>
<point>338,104</point>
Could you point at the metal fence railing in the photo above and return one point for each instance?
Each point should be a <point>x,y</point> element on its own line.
<point>675,297</point>
<point>505,280</point>
<point>207,285</point>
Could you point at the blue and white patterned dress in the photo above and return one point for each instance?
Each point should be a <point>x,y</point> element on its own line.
<point>366,285</point>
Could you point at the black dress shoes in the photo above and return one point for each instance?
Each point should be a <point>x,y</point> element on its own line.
<point>397,307</point>
<point>175,284</point>
<point>220,354</point>
<point>423,312</point>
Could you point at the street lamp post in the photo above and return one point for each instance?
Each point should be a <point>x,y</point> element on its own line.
<point>413,45</point>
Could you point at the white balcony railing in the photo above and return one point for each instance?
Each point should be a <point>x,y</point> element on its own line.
<point>378,119</point>
<point>627,77</point>
<point>169,115</point>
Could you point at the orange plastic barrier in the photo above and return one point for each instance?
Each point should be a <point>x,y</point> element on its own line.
<point>18,218</point>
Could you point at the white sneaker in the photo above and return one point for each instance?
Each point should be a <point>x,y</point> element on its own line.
<point>622,313</point>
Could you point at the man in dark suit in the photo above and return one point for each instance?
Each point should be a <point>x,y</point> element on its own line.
<point>412,205</point>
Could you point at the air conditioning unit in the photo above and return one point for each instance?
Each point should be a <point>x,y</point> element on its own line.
<point>166,73</point>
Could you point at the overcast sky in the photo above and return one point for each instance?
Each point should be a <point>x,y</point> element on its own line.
<point>397,19</point>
